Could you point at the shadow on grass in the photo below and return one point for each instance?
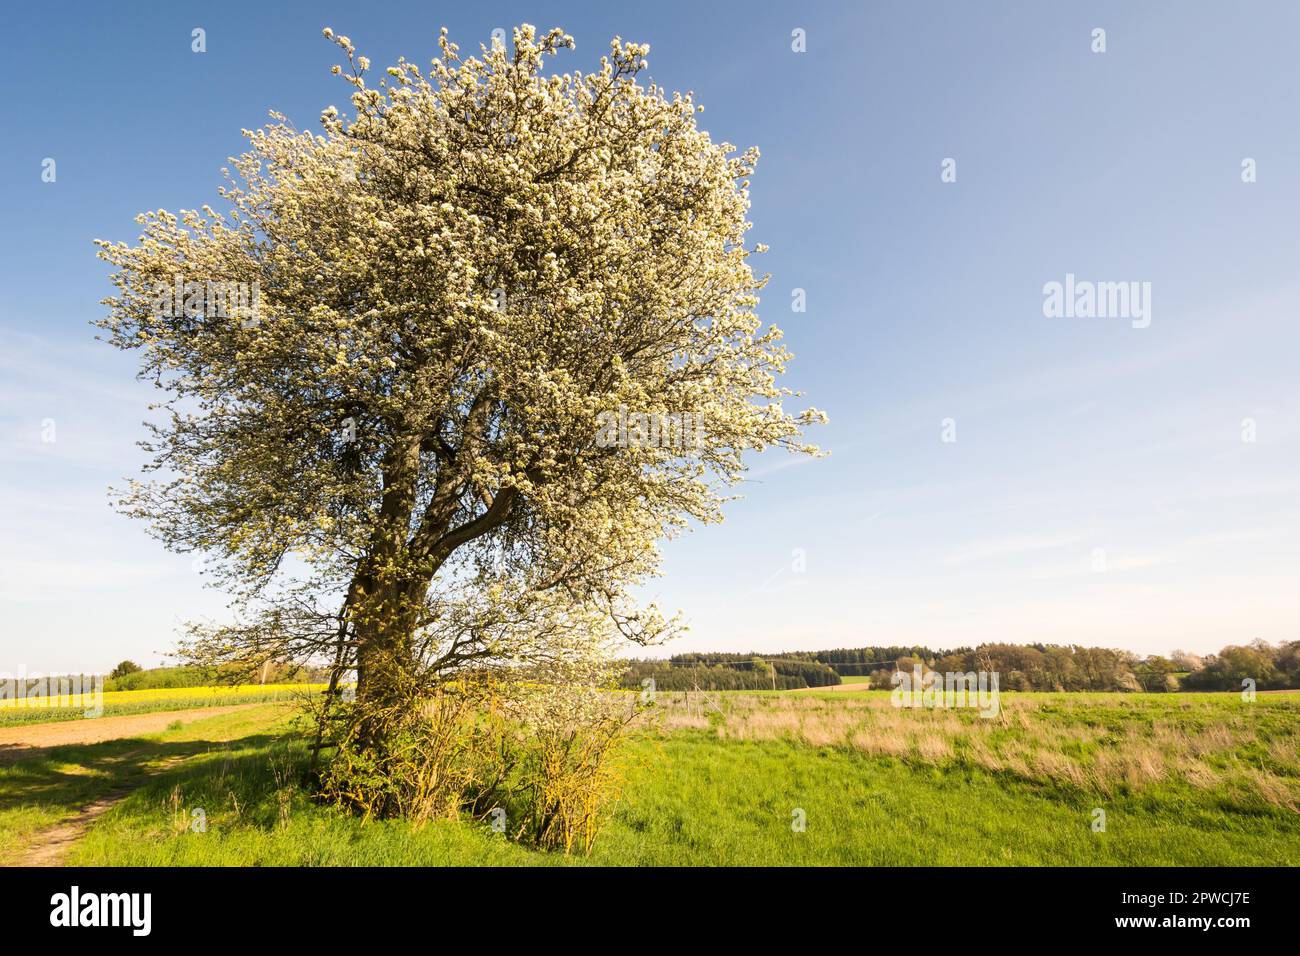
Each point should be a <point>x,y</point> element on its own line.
<point>68,777</point>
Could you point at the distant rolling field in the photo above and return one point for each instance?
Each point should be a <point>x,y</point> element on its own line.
<point>34,710</point>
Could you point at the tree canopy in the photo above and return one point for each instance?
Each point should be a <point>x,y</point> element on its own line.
<point>390,365</point>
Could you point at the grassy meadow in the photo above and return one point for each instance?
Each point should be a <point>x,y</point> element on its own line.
<point>835,778</point>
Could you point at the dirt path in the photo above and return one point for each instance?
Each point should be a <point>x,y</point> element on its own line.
<point>33,740</point>
<point>50,847</point>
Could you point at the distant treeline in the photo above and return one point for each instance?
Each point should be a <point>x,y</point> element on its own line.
<point>1030,667</point>
<point>730,672</point>
<point>856,661</point>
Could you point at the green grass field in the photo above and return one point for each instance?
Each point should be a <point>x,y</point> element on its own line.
<point>722,779</point>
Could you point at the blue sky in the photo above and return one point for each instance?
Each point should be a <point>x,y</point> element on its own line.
<point>1099,489</point>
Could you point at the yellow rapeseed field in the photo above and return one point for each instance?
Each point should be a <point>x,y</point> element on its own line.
<point>185,696</point>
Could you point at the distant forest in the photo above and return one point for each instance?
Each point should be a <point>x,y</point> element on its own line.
<point>1039,667</point>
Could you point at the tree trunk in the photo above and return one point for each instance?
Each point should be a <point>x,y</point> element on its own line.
<point>386,616</point>
<point>386,595</point>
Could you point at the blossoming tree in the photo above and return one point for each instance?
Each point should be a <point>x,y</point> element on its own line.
<point>391,451</point>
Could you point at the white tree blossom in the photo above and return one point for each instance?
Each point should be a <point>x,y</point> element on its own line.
<point>392,448</point>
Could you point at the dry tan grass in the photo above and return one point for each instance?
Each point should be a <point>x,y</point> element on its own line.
<point>933,747</point>
<point>1272,789</point>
